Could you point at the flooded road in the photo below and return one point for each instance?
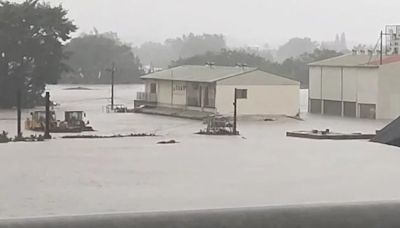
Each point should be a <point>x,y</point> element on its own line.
<point>261,167</point>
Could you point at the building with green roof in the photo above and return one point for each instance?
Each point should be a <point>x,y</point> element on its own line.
<point>211,89</point>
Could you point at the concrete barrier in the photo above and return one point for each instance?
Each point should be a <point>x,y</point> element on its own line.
<point>363,215</point>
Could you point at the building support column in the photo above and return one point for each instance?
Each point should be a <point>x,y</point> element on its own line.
<point>322,99</point>
<point>342,92</point>
<point>202,98</point>
<point>172,93</point>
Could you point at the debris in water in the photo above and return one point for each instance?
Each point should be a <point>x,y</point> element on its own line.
<point>269,120</point>
<point>298,117</point>
<point>328,134</point>
<point>4,137</point>
<point>107,137</point>
<point>220,132</point>
<point>78,88</point>
<point>33,138</point>
<point>168,142</point>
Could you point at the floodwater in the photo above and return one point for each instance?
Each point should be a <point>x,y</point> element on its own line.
<point>261,167</point>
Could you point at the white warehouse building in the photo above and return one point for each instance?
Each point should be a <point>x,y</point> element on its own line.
<point>211,89</point>
<point>356,85</point>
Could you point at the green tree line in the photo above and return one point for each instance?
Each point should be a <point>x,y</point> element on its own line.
<point>293,68</point>
<point>91,57</point>
<point>31,49</point>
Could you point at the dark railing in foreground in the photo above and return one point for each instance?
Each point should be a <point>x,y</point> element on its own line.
<point>374,215</point>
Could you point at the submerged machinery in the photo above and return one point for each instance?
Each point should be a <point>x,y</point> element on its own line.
<point>73,122</point>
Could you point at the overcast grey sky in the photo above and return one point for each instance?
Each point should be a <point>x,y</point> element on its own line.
<point>251,22</point>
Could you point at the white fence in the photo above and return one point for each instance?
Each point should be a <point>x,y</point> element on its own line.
<point>149,97</point>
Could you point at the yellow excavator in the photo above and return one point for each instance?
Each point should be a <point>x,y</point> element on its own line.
<point>73,123</point>
<point>37,122</point>
<point>75,119</point>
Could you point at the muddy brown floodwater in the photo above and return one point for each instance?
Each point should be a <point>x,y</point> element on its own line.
<point>261,167</point>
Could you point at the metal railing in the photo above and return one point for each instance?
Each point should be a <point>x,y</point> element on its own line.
<point>363,215</point>
<point>195,102</point>
<point>149,97</point>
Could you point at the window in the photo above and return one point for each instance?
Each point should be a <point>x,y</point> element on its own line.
<point>153,88</point>
<point>206,97</point>
<point>179,87</point>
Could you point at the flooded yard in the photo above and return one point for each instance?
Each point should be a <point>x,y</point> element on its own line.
<point>260,167</point>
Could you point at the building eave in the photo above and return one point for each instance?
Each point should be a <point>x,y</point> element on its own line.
<point>343,66</point>
<point>146,77</point>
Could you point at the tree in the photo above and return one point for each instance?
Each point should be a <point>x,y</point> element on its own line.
<point>161,54</point>
<point>31,54</point>
<point>155,54</point>
<point>297,68</point>
<point>295,47</point>
<point>343,41</point>
<point>339,44</point>
<point>293,68</point>
<point>92,54</point>
<point>223,58</point>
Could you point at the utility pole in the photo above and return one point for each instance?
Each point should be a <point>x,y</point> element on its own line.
<point>383,34</point>
<point>235,114</point>
<point>19,131</point>
<point>239,94</point>
<point>47,129</point>
<point>112,70</point>
<point>381,54</point>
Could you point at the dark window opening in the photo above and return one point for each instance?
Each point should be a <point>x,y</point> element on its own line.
<point>153,88</point>
<point>367,111</point>
<point>315,106</point>
<point>333,108</point>
<point>350,109</point>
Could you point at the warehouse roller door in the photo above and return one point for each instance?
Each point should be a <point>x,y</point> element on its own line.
<point>368,111</point>
<point>350,109</point>
<point>315,106</point>
<point>333,108</point>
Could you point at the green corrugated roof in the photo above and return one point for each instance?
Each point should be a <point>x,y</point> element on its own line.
<point>198,73</point>
<point>349,60</point>
<point>258,77</point>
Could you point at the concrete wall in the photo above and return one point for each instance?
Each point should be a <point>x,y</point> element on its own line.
<point>262,100</point>
<point>315,86</point>
<point>389,92</point>
<point>169,93</point>
<point>344,84</point>
<point>332,83</point>
<point>350,78</point>
<point>367,86</point>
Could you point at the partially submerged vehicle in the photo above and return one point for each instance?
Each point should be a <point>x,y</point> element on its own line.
<point>118,108</point>
<point>75,119</point>
<point>218,125</point>
<point>37,122</point>
<point>73,123</point>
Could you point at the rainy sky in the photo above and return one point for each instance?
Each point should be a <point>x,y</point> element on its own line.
<point>243,22</point>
